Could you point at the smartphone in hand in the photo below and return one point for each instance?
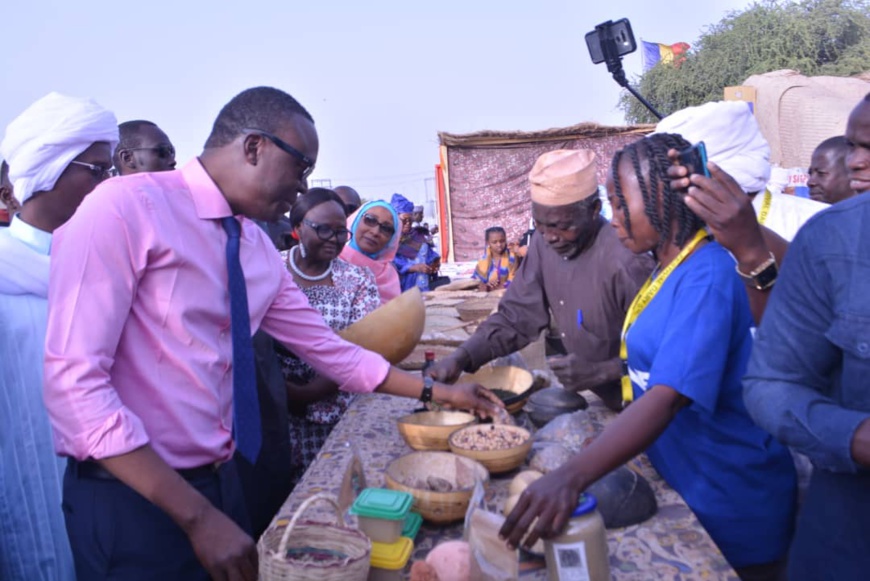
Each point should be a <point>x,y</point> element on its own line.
<point>694,159</point>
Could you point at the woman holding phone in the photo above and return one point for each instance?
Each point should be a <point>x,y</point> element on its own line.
<point>686,343</point>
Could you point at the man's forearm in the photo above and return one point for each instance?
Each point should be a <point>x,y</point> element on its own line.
<point>149,475</point>
<point>750,257</point>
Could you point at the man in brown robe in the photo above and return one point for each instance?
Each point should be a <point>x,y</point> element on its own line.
<point>577,269</point>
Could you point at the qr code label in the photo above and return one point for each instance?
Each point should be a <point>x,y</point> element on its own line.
<point>571,562</point>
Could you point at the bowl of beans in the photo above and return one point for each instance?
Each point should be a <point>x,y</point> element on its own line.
<point>500,448</point>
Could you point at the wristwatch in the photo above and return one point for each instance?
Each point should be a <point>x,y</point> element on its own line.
<point>763,277</point>
<point>428,383</point>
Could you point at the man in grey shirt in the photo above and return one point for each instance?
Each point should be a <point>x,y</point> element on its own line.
<point>577,269</point>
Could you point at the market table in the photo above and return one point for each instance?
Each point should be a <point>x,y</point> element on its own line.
<point>671,546</point>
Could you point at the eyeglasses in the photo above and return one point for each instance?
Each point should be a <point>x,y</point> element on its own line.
<point>307,162</point>
<point>164,151</point>
<point>98,172</point>
<point>371,222</point>
<point>325,232</point>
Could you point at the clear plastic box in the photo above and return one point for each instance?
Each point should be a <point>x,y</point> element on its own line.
<point>381,513</point>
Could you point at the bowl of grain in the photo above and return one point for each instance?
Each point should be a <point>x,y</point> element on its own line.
<point>499,447</point>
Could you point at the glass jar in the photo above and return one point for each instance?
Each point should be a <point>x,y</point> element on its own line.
<point>579,553</point>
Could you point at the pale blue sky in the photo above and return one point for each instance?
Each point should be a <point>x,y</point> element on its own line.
<point>380,77</point>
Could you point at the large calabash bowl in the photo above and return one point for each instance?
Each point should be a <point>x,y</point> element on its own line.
<point>393,329</point>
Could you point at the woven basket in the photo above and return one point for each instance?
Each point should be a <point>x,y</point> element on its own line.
<point>302,537</point>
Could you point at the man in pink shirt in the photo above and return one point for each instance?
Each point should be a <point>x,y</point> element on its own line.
<point>144,363</point>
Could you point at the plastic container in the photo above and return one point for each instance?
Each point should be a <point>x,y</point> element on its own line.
<point>382,513</point>
<point>413,522</point>
<point>389,560</point>
<point>581,551</point>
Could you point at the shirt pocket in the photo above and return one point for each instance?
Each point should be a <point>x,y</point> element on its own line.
<point>851,333</point>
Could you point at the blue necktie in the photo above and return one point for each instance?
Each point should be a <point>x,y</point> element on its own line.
<point>246,405</point>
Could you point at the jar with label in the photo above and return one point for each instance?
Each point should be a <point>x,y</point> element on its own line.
<point>579,553</point>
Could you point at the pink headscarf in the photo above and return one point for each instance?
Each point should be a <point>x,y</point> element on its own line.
<point>381,264</point>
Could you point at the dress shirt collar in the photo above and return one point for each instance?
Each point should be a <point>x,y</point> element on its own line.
<point>209,200</point>
<point>38,240</point>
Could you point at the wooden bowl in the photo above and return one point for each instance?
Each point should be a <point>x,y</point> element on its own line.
<point>393,329</point>
<point>477,309</point>
<point>506,378</point>
<point>430,430</point>
<point>496,461</point>
<point>410,471</point>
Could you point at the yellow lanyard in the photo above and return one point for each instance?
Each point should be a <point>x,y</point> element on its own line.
<point>765,207</point>
<point>646,294</point>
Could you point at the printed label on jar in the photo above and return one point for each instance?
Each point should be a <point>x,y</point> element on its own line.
<point>571,562</point>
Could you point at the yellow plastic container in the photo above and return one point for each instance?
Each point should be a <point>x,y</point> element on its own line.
<point>389,560</point>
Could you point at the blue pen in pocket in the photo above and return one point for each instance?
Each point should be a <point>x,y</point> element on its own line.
<point>579,319</point>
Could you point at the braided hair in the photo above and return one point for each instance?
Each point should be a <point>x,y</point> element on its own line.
<point>653,150</point>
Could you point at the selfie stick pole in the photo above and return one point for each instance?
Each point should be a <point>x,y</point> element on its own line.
<point>614,66</point>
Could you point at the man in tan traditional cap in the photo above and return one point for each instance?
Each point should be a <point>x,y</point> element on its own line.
<point>575,269</point>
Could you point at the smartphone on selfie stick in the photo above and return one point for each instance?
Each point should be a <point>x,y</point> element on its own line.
<point>694,159</point>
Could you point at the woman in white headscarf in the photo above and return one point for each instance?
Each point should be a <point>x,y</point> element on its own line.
<point>58,150</point>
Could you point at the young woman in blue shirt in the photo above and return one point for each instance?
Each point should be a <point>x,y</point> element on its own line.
<point>686,349</point>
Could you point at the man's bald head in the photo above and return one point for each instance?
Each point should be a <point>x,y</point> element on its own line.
<point>142,147</point>
<point>349,197</point>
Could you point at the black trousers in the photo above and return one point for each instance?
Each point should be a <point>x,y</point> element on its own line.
<point>116,534</point>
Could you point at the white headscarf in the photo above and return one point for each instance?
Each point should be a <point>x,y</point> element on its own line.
<point>41,142</point>
<point>732,137</point>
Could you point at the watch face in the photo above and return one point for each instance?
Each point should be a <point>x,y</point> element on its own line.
<point>766,277</point>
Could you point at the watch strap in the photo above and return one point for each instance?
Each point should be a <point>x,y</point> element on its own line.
<point>428,384</point>
<point>763,276</point>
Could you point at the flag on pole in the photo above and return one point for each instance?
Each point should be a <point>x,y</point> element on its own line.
<point>656,52</point>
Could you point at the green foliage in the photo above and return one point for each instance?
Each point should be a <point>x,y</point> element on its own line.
<point>814,37</point>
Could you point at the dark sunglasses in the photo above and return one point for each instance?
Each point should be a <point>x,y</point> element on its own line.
<point>307,162</point>
<point>371,222</point>
<point>98,172</point>
<point>163,151</point>
<point>325,232</point>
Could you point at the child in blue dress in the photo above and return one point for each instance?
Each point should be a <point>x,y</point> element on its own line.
<point>686,349</point>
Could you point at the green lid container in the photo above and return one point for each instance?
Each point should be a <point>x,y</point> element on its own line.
<point>382,503</point>
<point>412,525</point>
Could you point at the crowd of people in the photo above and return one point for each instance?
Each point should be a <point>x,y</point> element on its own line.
<point>170,365</point>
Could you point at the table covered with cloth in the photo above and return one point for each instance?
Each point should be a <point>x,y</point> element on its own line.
<point>670,546</point>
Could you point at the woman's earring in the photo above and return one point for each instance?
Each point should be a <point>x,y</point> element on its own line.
<point>302,250</point>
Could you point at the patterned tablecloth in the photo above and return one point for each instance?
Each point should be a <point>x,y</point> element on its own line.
<point>671,546</point>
